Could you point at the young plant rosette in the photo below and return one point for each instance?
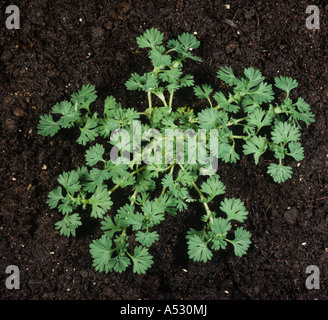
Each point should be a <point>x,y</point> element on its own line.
<point>165,155</point>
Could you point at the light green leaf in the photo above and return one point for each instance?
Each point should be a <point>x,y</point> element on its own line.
<point>142,260</point>
<point>47,125</point>
<point>198,249</point>
<point>234,209</point>
<point>213,187</point>
<point>279,173</point>
<point>100,201</point>
<point>94,154</point>
<point>151,38</point>
<point>241,242</point>
<point>257,145</point>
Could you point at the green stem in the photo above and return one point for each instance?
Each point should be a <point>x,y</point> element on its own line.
<point>209,100</point>
<point>170,101</point>
<point>240,137</point>
<point>233,122</point>
<point>149,104</point>
<point>113,189</point>
<point>134,196</point>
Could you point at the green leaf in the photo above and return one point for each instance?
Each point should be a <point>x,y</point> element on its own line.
<point>134,83</point>
<point>169,202</point>
<point>125,215</point>
<point>296,150</point>
<point>110,107</point>
<point>259,118</point>
<point>159,60</point>
<point>68,113</point>
<point>103,261</point>
<point>84,97</point>
<point>241,242</point>
<point>213,187</point>
<point>67,205</point>
<point>254,77</point>
<point>279,151</point>
<point>279,173</point>
<point>187,81</point>
<point>68,225</point>
<point>225,104</point>
<point>198,249</point>
<point>220,227</point>
<point>153,212</point>
<point>47,125</point>
<point>101,252</point>
<point>147,238</point>
<point>149,81</point>
<point>137,221</point>
<point>100,202</point>
<point>257,145</point>
<point>219,230</point>
<point>89,132</point>
<point>285,132</point>
<point>107,126</point>
<point>54,197</point>
<point>304,112</point>
<point>203,91</point>
<point>171,75</point>
<point>209,118</point>
<point>234,209</point>
<point>151,38</point>
<point>263,93</point>
<point>120,263</point>
<point>142,260</point>
<point>227,153</point>
<point>188,41</point>
<point>94,154</point>
<point>226,74</point>
<point>285,83</point>
<point>110,227</point>
<point>70,181</point>
<point>123,180</point>
<point>98,176</point>
<point>144,182</point>
<point>185,177</point>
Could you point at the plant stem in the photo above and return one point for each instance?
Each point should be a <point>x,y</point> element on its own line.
<point>149,103</point>
<point>233,122</point>
<point>240,137</point>
<point>170,101</point>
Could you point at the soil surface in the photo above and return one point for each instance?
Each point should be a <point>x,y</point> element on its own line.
<point>62,45</point>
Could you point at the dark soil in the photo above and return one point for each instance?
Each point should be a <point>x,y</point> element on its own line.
<point>64,44</point>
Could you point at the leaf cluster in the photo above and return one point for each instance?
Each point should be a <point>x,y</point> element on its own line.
<point>267,125</point>
<point>168,183</point>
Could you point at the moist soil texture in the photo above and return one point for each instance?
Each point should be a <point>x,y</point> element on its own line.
<point>62,45</point>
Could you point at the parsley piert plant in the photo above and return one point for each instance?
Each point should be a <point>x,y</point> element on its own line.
<point>171,180</point>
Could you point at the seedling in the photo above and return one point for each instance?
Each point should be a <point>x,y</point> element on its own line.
<point>172,151</point>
